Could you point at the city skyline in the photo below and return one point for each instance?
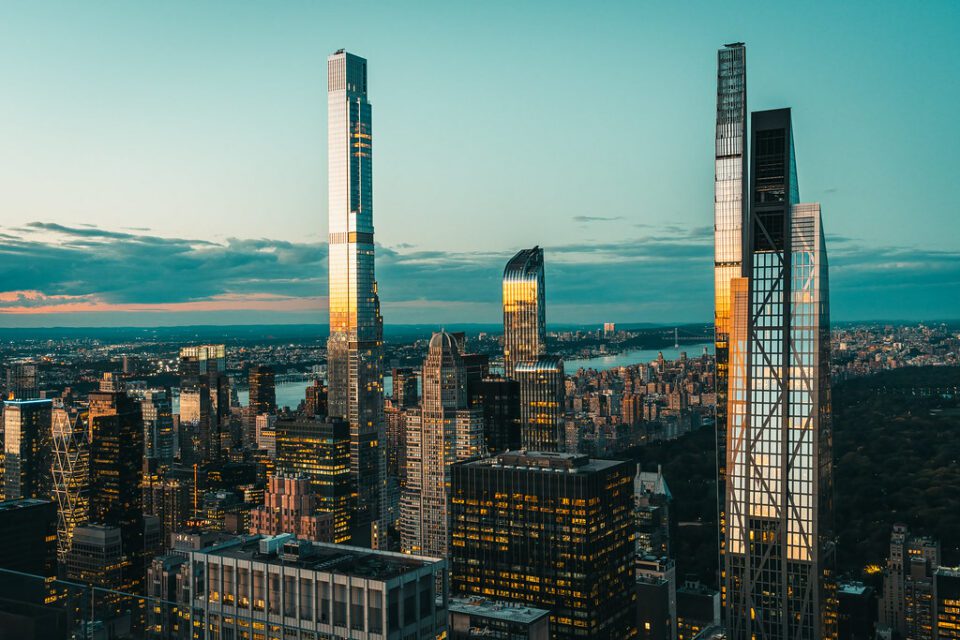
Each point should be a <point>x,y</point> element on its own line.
<point>199,248</point>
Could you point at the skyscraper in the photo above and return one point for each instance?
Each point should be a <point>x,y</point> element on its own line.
<point>447,431</point>
<point>355,346</point>
<point>263,391</point>
<point>524,309</point>
<point>320,451</point>
<point>551,530</point>
<point>779,545</point>
<point>71,475</point>
<point>26,448</point>
<point>730,212</point>
<point>158,435</point>
<point>542,399</point>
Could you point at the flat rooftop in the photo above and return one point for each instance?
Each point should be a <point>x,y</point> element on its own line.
<point>21,503</point>
<point>320,556</point>
<point>546,461</point>
<point>496,609</point>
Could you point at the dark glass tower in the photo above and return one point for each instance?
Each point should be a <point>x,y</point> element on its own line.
<point>355,346</point>
<point>27,449</point>
<point>779,545</point>
<point>730,212</point>
<point>550,530</point>
<point>263,390</point>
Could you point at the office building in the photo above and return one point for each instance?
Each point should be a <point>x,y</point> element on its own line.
<point>572,554</point>
<point>907,580</point>
<point>23,381</point>
<point>947,591</point>
<point>116,471</point>
<point>651,500</point>
<point>169,494</point>
<point>281,584</point>
<point>656,597</point>
<point>542,403</point>
<point>779,549</point>
<point>730,213</point>
<point>524,309</point>
<point>290,506</point>
<point>26,447</point>
<point>159,438</point>
<point>71,474</point>
<point>320,451</point>
<point>263,389</point>
<point>315,400</point>
<point>355,346</point>
<point>698,609</point>
<point>446,432</point>
<point>205,397</point>
<point>28,555</point>
<point>856,612</point>
<point>405,394</point>
<point>479,617</point>
<point>500,402</point>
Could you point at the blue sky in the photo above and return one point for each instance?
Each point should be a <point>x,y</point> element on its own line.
<point>165,163</point>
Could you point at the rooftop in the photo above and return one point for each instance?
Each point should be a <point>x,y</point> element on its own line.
<point>547,461</point>
<point>339,559</point>
<point>496,609</point>
<point>21,503</point>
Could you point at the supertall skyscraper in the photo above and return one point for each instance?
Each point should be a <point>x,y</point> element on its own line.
<point>524,309</point>
<point>779,545</point>
<point>355,346</point>
<point>729,214</point>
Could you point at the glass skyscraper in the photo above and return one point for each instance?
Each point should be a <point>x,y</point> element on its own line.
<point>729,213</point>
<point>524,309</point>
<point>542,400</point>
<point>354,349</point>
<point>779,545</point>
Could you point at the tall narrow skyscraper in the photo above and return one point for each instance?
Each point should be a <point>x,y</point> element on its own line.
<point>779,554</point>
<point>729,214</point>
<point>355,346</point>
<point>524,309</point>
<point>71,475</point>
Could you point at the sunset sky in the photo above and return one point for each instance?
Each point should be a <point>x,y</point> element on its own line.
<point>165,163</point>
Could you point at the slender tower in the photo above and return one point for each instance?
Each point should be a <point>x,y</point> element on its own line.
<point>354,349</point>
<point>779,546</point>
<point>524,309</point>
<point>729,213</point>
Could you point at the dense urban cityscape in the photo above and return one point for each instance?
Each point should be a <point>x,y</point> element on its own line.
<point>367,480</point>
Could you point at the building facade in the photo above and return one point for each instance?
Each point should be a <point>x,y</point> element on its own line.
<point>159,437</point>
<point>542,403</point>
<point>779,546</point>
<point>730,213</point>
<point>446,432</point>
<point>71,474</point>
<point>284,587</point>
<point>263,389</point>
<point>526,528</point>
<point>26,447</point>
<point>355,346</point>
<point>524,309</point>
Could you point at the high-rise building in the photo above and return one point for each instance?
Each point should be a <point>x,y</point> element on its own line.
<point>205,396</point>
<point>168,494</point>
<point>542,403</point>
<point>116,471</point>
<point>947,590</point>
<point>26,447</point>
<point>698,608</point>
<point>71,474</point>
<point>29,549</point>
<point>290,506</point>
<point>651,499</point>
<point>23,381</point>
<point>908,576</point>
<point>500,401</point>
<point>355,346</point>
<point>320,451</point>
<point>159,438</point>
<point>729,215</point>
<point>856,612</point>
<point>779,547</point>
<point>405,395</point>
<point>263,389</point>
<point>524,309</point>
<point>447,431</point>
<point>549,530</point>
<point>315,400</point>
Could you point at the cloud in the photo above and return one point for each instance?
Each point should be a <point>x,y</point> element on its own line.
<point>596,218</point>
<point>662,274</point>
